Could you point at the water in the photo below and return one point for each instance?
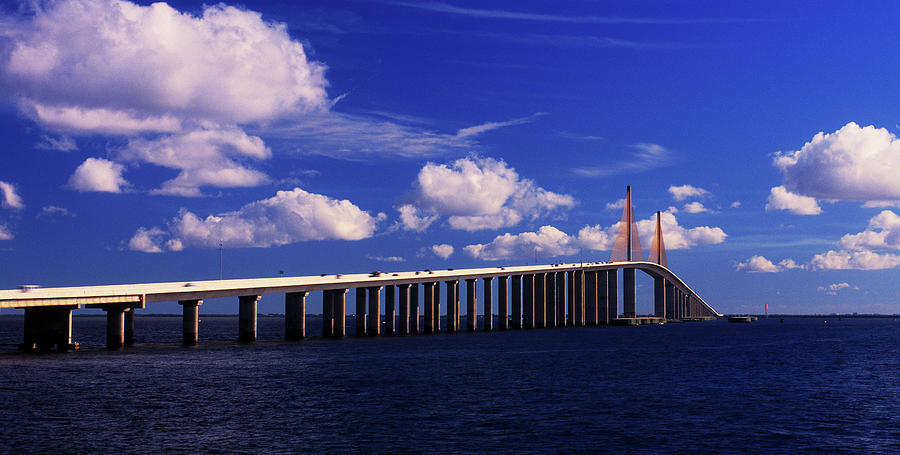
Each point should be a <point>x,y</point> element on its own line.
<point>802,386</point>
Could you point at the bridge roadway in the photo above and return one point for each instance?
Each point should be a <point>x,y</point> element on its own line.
<point>539,296</point>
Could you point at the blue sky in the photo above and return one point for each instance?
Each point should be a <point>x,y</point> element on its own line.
<point>347,136</point>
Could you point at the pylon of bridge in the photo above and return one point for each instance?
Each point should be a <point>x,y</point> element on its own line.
<point>627,246</point>
<point>658,247</point>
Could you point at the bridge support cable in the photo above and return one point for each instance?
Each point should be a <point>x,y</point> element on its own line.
<point>627,246</point>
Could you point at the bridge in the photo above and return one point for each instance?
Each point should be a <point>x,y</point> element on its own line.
<point>527,297</point>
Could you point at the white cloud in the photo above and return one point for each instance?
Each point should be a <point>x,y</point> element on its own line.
<point>4,233</point>
<point>205,157</point>
<point>98,174</point>
<point>288,217</point>
<point>100,120</point>
<point>121,59</point>
<point>484,127</point>
<point>736,204</point>
<point>782,199</point>
<point>477,193</point>
<point>644,157</point>
<point>547,242</point>
<point>10,198</point>
<point>386,258</point>
<point>832,289</point>
<point>442,250</point>
<point>680,193</point>
<point>853,163</point>
<point>695,207</point>
<point>854,260</point>
<point>617,205</point>
<point>675,236</point>
<point>62,143</point>
<point>883,233</point>
<point>757,264</point>
<point>51,210</point>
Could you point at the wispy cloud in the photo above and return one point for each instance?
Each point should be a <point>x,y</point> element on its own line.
<point>645,156</point>
<point>478,129</point>
<point>438,7</point>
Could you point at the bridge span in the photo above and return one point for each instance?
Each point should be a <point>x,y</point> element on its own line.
<point>539,296</point>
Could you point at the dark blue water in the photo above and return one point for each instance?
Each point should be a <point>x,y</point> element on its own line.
<point>802,386</point>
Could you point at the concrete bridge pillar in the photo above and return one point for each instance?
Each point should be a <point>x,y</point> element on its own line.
<point>48,328</point>
<point>452,316</point>
<point>603,297</point>
<point>503,303</point>
<point>590,297</point>
<point>516,301</point>
<point>129,326</point>
<point>339,310</point>
<point>403,323</point>
<point>374,316</point>
<point>471,305</point>
<point>295,315</point>
<point>560,299</point>
<point>612,279</point>
<point>360,317</point>
<point>629,292</point>
<point>436,314</point>
<point>327,314</point>
<point>528,301</point>
<point>115,326</point>
<point>189,321</point>
<point>570,298</point>
<point>429,307</point>
<point>659,297</point>
<point>579,298</point>
<point>540,300</point>
<point>488,304</point>
<point>390,309</point>
<point>414,309</point>
<point>550,291</point>
<point>247,317</point>
<point>670,300</point>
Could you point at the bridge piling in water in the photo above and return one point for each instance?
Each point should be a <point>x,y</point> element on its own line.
<point>516,303</point>
<point>487,320</point>
<point>403,324</point>
<point>471,302</point>
<point>503,302</point>
<point>414,309</point>
<point>528,301</point>
<point>540,301</point>
<point>560,299</point>
<point>190,318</point>
<point>390,309</point>
<point>295,315</point>
<point>247,317</point>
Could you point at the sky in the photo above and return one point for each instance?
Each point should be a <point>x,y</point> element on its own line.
<point>187,141</point>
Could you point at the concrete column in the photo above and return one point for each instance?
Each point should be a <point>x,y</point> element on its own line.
<point>129,326</point>
<point>47,328</point>
<point>339,310</point>
<point>590,297</point>
<point>570,298</point>
<point>390,309</point>
<point>471,305</point>
<point>629,293</point>
<point>670,300</point>
<point>612,277</point>
<point>659,297</point>
<point>361,311</point>
<point>503,303</point>
<point>528,301</point>
<point>560,299</point>
<point>437,307</point>
<point>295,315</point>
<point>247,317</point>
<point>550,292</point>
<point>517,301</point>
<point>115,326</point>
<point>403,323</point>
<point>540,300</point>
<point>602,297</point>
<point>374,316</point>
<point>429,307</point>
<point>452,306</point>
<point>189,321</point>
<point>579,298</point>
<point>414,309</point>
<point>327,313</point>
<point>488,318</point>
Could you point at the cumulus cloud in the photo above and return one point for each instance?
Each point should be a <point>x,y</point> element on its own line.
<point>98,174</point>
<point>52,210</point>
<point>832,289</point>
<point>476,194</point>
<point>853,163</point>
<point>882,233</point>
<point>442,250</point>
<point>386,258</point>
<point>617,205</point>
<point>854,260</point>
<point>694,207</point>
<point>549,241</point>
<point>782,199</point>
<point>10,198</point>
<point>212,161</point>
<point>176,85</point>
<point>4,233</point>
<point>288,217</point>
<point>759,264</point>
<point>680,193</point>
